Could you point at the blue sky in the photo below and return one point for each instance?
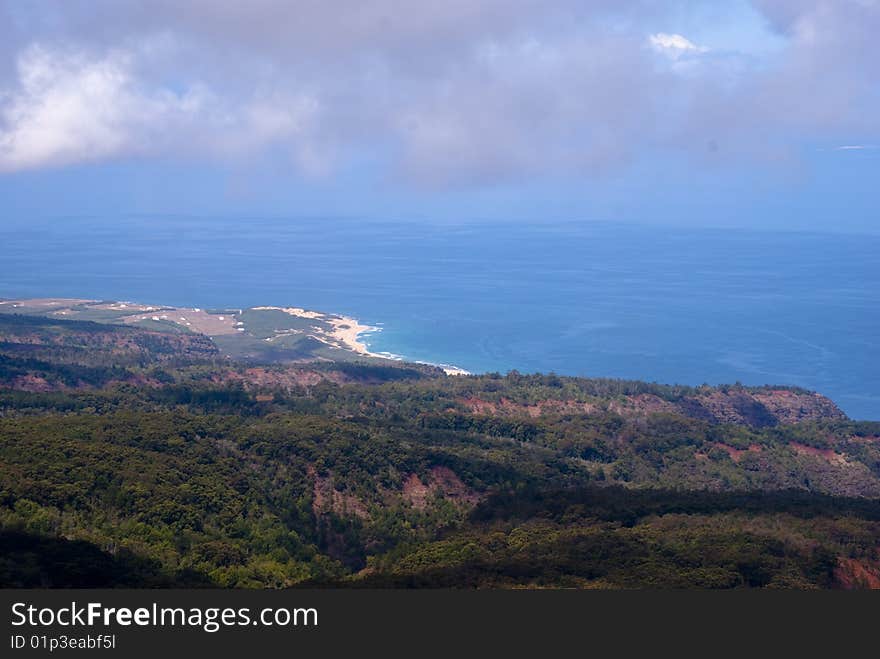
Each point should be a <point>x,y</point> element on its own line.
<point>762,113</point>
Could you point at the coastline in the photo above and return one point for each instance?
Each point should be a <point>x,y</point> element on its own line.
<point>345,330</point>
<point>350,331</point>
<point>334,330</point>
<point>449,369</point>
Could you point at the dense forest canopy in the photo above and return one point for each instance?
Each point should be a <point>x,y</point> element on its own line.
<point>131,456</point>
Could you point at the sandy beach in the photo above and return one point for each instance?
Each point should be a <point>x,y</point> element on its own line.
<point>342,332</point>
<point>345,332</point>
<point>348,331</point>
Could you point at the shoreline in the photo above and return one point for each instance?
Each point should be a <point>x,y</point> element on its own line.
<point>346,330</point>
<point>335,330</point>
<point>349,332</point>
<point>449,369</point>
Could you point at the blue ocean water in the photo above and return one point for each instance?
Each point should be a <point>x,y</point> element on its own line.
<point>667,305</point>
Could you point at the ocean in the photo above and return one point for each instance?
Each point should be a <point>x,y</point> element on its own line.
<point>687,306</point>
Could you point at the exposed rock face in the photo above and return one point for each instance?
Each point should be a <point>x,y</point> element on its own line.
<point>829,455</point>
<point>440,481</point>
<point>737,407</point>
<point>285,378</point>
<point>421,493</point>
<point>32,383</point>
<point>852,573</point>
<point>326,498</point>
<point>768,407</point>
<point>756,408</point>
<point>791,407</point>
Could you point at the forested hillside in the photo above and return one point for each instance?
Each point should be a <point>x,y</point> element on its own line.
<point>136,457</point>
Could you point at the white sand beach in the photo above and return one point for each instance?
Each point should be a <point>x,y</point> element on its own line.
<point>345,332</point>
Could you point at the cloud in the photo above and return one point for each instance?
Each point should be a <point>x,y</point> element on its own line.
<point>460,92</point>
<point>674,45</point>
<point>71,107</point>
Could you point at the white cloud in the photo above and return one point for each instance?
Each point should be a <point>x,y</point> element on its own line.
<point>674,45</point>
<point>69,107</point>
<point>459,91</point>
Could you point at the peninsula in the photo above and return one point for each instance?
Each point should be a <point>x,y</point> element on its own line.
<point>268,334</point>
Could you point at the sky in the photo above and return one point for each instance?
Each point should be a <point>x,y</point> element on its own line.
<point>746,113</point>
